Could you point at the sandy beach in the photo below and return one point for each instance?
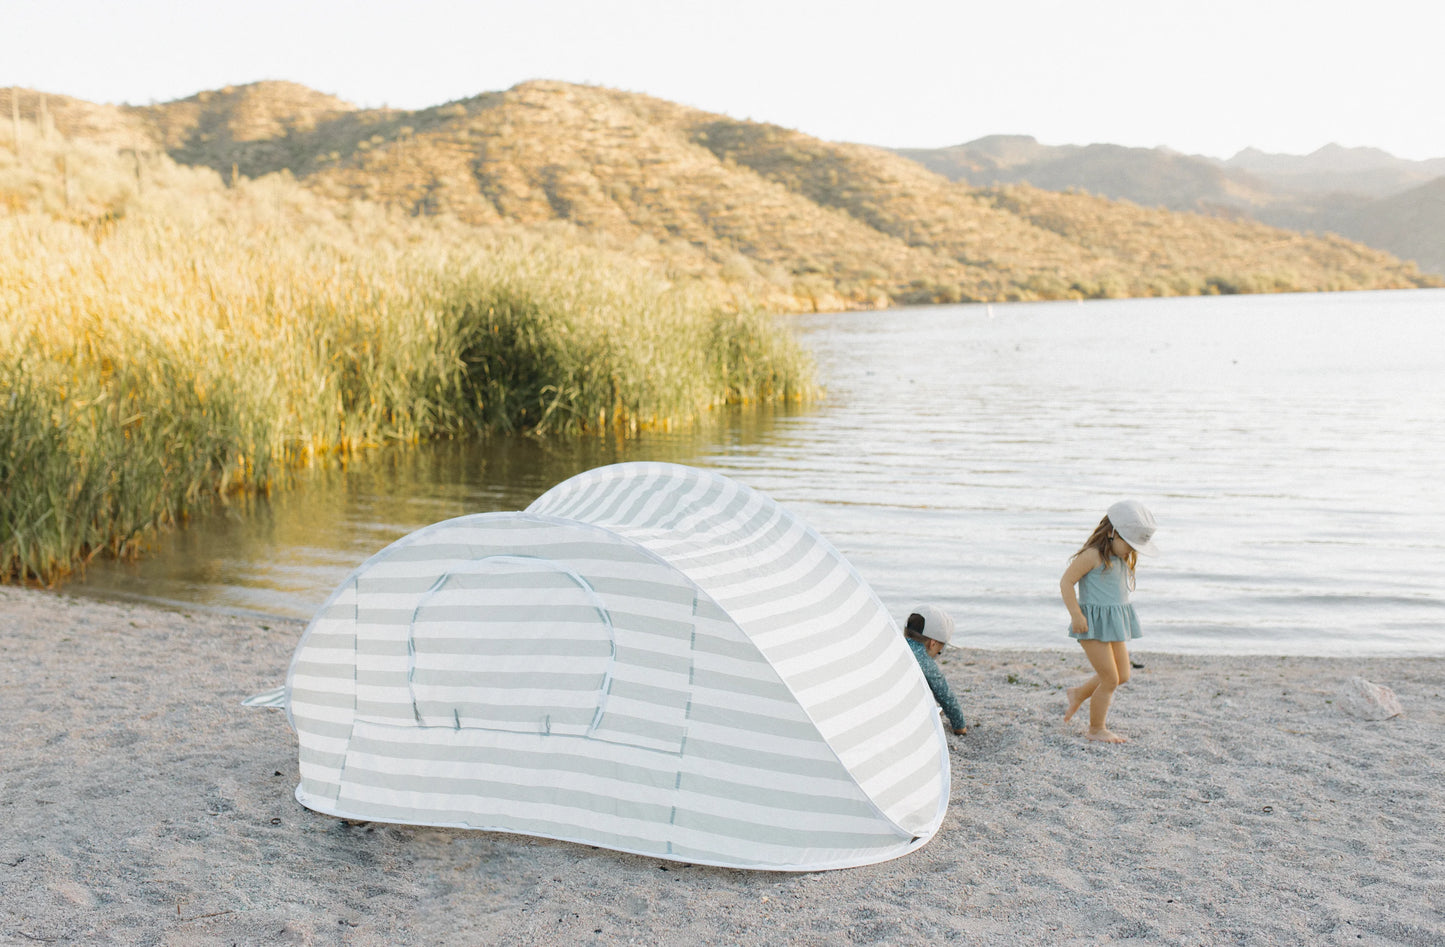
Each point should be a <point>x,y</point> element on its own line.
<point>141,804</point>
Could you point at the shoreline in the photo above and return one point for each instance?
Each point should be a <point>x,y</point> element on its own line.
<point>1147,645</point>
<point>145,805</point>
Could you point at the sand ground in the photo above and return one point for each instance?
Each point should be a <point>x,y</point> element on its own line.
<point>141,804</point>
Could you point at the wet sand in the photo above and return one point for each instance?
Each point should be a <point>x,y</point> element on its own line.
<point>141,804</point>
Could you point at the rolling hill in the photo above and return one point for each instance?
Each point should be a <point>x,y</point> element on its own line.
<point>1150,177</point>
<point>1358,193</point>
<point>774,216</point>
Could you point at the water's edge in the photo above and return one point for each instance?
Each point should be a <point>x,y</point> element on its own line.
<point>1287,445</point>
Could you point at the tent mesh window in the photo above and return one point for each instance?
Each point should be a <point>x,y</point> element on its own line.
<point>511,643</point>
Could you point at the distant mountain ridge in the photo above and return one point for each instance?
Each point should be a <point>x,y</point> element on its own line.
<point>771,214</point>
<point>1146,176</point>
<point>1356,192</point>
<point>1336,168</point>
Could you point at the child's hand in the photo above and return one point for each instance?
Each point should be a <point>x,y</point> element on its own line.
<point>1080,624</point>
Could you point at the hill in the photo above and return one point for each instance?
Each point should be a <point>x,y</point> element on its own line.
<point>1150,177</point>
<point>1334,168</point>
<point>1413,222</point>
<point>1355,192</point>
<point>766,213</point>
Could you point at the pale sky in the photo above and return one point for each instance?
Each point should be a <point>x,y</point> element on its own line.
<point>1199,76</point>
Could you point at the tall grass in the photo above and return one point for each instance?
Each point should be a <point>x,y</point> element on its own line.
<point>175,344</point>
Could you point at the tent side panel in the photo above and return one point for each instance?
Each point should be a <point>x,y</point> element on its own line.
<point>754,785</point>
<point>802,604</point>
<point>864,689</point>
<point>759,787</point>
<point>832,641</point>
<point>322,688</point>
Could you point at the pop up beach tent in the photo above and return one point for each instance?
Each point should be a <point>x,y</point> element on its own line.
<point>651,658</point>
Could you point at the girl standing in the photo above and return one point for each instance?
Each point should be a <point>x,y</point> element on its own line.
<point>1101,618</point>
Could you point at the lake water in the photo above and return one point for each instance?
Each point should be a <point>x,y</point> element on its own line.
<point>1290,446</point>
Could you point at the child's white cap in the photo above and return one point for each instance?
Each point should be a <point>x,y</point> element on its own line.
<point>936,622</point>
<point>1133,521</point>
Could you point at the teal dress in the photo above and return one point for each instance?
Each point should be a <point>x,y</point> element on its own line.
<point>1104,600</point>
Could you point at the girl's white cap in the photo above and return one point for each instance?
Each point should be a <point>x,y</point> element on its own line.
<point>937,624</point>
<point>1133,521</point>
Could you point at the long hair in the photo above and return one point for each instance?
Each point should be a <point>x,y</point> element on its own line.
<point>1101,540</point>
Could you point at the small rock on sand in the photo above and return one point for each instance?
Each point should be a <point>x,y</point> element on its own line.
<point>1360,698</point>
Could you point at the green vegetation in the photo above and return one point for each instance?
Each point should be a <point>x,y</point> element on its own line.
<point>165,339</point>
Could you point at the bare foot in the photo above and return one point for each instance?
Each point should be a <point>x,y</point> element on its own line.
<point>1104,735</point>
<point>1077,697</point>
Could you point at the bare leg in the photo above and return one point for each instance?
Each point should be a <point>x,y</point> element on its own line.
<point>1077,696</point>
<point>1101,655</point>
<point>1121,660</point>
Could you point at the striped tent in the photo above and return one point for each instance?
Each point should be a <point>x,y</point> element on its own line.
<point>651,658</point>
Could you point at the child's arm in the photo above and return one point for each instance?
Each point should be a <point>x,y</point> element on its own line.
<point>1084,563</point>
<point>942,693</point>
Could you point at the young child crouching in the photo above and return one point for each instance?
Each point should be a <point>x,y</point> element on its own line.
<point>929,628</point>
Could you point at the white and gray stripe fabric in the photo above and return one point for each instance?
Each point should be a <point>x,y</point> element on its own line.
<point>651,658</point>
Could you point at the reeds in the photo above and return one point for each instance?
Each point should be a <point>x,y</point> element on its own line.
<point>159,349</point>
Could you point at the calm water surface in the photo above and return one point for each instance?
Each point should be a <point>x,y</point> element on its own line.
<point>1291,448</point>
